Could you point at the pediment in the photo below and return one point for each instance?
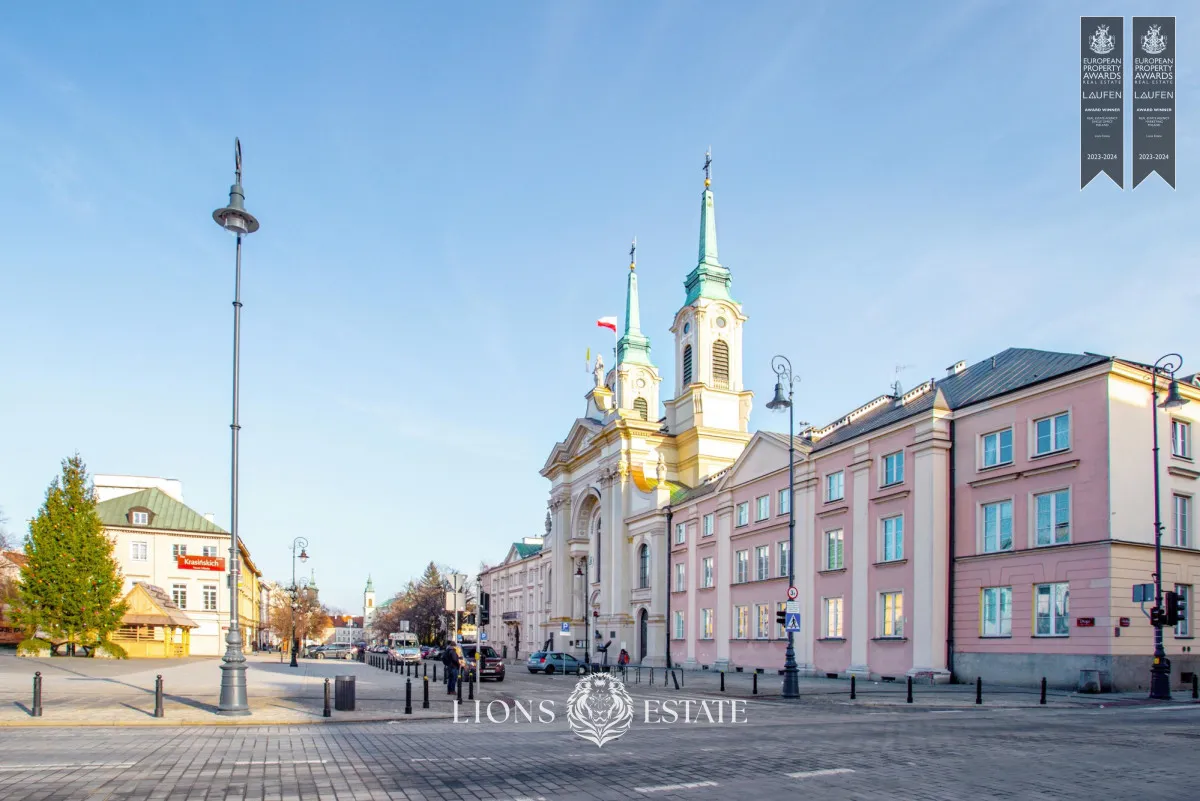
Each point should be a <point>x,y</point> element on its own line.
<point>765,453</point>
<point>583,431</point>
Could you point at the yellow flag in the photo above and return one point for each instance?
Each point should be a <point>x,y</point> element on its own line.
<point>588,358</point>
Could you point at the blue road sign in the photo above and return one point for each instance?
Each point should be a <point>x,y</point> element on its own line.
<point>792,621</point>
<point>458,638</point>
<point>566,628</point>
<point>483,636</point>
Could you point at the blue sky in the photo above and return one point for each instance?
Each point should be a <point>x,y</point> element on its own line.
<point>447,202</point>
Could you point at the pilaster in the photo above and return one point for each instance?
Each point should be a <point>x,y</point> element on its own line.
<point>860,560</point>
<point>931,482</point>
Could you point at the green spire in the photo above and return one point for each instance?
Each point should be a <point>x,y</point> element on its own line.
<point>633,347</point>
<point>709,279</point>
<point>312,580</point>
<point>370,584</point>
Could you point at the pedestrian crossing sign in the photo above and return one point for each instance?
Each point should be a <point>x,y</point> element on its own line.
<point>792,621</point>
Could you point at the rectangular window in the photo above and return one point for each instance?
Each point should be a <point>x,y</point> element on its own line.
<point>179,595</point>
<point>679,630</point>
<point>680,577</point>
<point>997,612</point>
<point>707,571</point>
<point>706,624</point>
<point>785,502</point>
<point>893,468</point>
<point>785,558</point>
<point>997,526</point>
<point>743,513</point>
<point>1052,434</point>
<point>741,622</point>
<point>1053,510</point>
<point>780,631</point>
<point>893,538</point>
<point>762,562</point>
<point>178,550</point>
<point>139,551</point>
<point>762,507</point>
<point>762,616</point>
<point>1184,627</point>
<point>1181,439</point>
<point>709,524</point>
<point>833,617</point>
<point>680,533</point>
<point>891,608</point>
<point>210,598</point>
<point>833,550</point>
<point>1051,607</point>
<point>835,486</point>
<point>1183,520</point>
<point>742,567</point>
<point>997,448</point>
<point>141,518</point>
<point>210,550</point>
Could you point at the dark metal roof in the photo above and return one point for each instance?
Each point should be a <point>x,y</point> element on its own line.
<point>1009,371</point>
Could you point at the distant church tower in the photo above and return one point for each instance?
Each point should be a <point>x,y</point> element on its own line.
<point>368,604</point>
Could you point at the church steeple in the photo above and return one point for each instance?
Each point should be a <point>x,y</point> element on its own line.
<point>633,347</point>
<point>709,279</point>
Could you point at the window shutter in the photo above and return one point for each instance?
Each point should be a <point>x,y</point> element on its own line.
<point>642,408</point>
<point>720,364</point>
<point>687,365</point>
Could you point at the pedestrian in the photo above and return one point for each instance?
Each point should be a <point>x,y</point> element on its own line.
<point>452,658</point>
<point>623,658</point>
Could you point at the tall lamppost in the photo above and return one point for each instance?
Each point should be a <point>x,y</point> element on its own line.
<point>300,543</point>
<point>1160,668</point>
<point>235,219</point>
<point>783,372</point>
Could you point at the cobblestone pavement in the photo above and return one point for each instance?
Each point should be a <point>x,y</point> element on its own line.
<point>830,751</point>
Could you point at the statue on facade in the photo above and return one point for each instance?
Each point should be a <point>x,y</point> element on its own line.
<point>548,524</point>
<point>661,470</point>
<point>598,372</point>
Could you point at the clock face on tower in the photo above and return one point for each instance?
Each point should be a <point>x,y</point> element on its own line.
<point>641,383</point>
<point>720,322</point>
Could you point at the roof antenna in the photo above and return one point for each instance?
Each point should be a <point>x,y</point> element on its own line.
<point>896,386</point>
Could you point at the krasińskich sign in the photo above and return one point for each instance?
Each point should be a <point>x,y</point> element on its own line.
<point>216,563</point>
<point>1101,99</point>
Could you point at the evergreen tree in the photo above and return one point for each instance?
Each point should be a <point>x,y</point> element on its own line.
<point>70,589</point>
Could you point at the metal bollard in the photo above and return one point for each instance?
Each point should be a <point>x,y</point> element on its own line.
<point>754,689</point>
<point>435,671</point>
<point>979,689</point>
<point>1043,698</point>
<point>853,694</point>
<point>327,713</point>
<point>460,684</point>
<point>37,694</point>
<point>425,700</point>
<point>675,678</point>
<point>651,676</point>
<point>910,689</point>
<point>425,669</point>
<point>1195,686</point>
<point>158,697</point>
<point>471,690</point>
<point>722,681</point>
<point>408,697</point>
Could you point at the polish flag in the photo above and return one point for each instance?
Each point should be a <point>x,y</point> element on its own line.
<point>608,322</point>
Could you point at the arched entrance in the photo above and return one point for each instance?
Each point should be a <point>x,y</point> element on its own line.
<point>643,635</point>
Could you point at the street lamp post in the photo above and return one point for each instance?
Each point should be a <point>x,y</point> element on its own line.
<point>235,219</point>
<point>300,543</point>
<point>783,372</point>
<point>1160,668</point>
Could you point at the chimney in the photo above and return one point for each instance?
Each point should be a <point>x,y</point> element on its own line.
<point>209,517</point>
<point>956,368</point>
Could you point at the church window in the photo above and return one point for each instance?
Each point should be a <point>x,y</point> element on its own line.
<point>642,408</point>
<point>687,365</point>
<point>721,364</point>
<point>597,549</point>
<point>644,567</point>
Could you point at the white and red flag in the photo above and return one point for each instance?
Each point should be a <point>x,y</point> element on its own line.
<point>608,322</point>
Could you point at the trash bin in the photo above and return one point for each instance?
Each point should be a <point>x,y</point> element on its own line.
<point>343,693</point>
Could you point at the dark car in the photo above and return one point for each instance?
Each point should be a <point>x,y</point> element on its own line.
<point>491,666</point>
<point>337,650</point>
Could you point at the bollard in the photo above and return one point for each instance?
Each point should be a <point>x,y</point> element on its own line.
<point>651,676</point>
<point>408,697</point>
<point>909,689</point>
<point>37,694</point>
<point>460,684</point>
<point>754,689</point>
<point>425,700</point>
<point>1043,698</point>
<point>979,689</point>
<point>158,697</point>
<point>425,670</point>
<point>435,671</point>
<point>327,713</point>
<point>675,678</point>
<point>471,690</point>
<point>853,694</point>
<point>1195,686</point>
<point>722,681</point>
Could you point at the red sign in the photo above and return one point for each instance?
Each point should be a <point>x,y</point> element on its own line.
<point>1085,622</point>
<point>793,593</point>
<point>1125,622</point>
<point>216,563</point>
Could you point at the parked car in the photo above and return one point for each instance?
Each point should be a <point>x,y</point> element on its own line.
<point>491,666</point>
<point>554,662</point>
<point>404,654</point>
<point>335,650</point>
<point>433,652</point>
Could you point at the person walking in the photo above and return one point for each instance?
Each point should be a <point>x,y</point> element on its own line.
<point>452,658</point>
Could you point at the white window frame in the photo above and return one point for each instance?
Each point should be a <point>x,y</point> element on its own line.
<point>785,502</point>
<point>892,463</point>
<point>784,556</point>
<point>741,622</point>
<point>706,624</point>
<point>840,483</point>
<point>1184,627</point>
<point>828,551</point>
<point>706,571</point>
<point>710,524</point>
<point>891,543</point>
<point>1181,438</point>
<point>1053,617</point>
<point>833,610</point>
<point>1181,519</point>
<point>1055,420</point>
<point>141,518</point>
<point>983,511</point>
<point>999,437</point>
<point>679,629</point>
<point>1056,500</point>
<point>891,616</point>
<point>762,507</point>
<point>179,593</point>
<point>762,621</point>
<point>680,577</point>
<point>680,533</point>
<point>743,514</point>
<point>1002,600</point>
<point>139,551</point>
<point>762,562</point>
<point>741,566</point>
<point>207,591</point>
<point>178,550</point>
<point>205,550</point>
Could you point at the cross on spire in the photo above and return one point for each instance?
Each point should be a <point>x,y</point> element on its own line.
<point>708,166</point>
<point>632,254</point>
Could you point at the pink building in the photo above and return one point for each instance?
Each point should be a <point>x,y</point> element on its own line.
<point>991,523</point>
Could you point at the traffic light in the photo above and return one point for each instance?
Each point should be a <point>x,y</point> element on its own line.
<point>1157,617</point>
<point>485,608</point>
<point>781,617</point>
<point>1175,609</point>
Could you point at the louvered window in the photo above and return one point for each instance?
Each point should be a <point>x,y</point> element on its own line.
<point>720,364</point>
<point>642,408</point>
<point>687,365</point>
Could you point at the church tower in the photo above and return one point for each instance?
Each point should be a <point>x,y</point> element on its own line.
<point>637,377</point>
<point>368,604</point>
<point>710,413</point>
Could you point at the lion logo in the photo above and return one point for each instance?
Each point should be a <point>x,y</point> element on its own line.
<point>599,709</point>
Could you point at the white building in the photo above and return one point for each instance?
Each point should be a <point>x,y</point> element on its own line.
<point>517,589</point>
